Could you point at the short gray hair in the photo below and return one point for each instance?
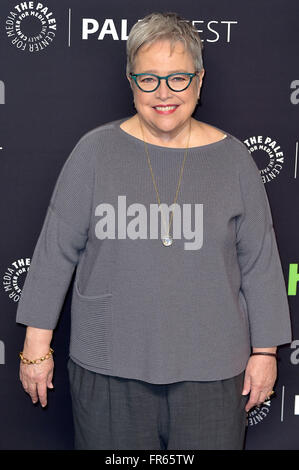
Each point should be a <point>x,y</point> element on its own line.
<point>160,26</point>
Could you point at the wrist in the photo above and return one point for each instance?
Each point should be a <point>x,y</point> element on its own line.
<point>37,342</point>
<point>265,352</point>
<point>38,337</point>
<point>38,360</point>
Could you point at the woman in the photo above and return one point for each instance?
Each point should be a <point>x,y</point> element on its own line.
<point>172,340</point>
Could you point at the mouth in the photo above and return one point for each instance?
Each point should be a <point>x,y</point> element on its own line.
<point>166,109</point>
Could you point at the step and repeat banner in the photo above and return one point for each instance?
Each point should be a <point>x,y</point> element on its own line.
<point>62,73</point>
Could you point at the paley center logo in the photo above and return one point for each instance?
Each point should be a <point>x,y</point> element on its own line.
<point>14,277</point>
<point>273,153</point>
<point>258,413</point>
<point>137,228</point>
<point>31,26</point>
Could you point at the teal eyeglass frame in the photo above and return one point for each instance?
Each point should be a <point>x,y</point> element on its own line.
<point>190,75</point>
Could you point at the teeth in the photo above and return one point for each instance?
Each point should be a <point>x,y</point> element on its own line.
<point>165,108</point>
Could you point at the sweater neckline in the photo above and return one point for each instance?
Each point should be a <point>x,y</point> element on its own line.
<point>132,138</point>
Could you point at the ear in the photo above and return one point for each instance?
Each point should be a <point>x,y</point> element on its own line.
<point>130,81</point>
<point>200,78</point>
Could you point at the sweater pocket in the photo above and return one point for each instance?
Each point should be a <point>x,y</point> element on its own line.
<point>91,329</point>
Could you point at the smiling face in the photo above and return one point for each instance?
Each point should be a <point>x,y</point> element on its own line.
<point>157,58</point>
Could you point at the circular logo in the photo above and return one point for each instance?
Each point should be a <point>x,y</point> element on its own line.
<point>30,26</point>
<point>257,414</point>
<point>269,155</point>
<point>14,278</point>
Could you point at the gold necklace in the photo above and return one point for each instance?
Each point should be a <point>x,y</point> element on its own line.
<point>167,240</point>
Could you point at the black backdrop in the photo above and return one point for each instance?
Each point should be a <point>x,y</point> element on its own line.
<point>57,86</point>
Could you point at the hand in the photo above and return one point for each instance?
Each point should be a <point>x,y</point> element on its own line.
<point>259,380</point>
<point>36,378</point>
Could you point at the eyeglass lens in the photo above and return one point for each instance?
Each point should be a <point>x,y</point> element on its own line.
<point>176,82</point>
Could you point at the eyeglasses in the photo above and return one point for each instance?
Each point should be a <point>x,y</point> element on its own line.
<point>149,82</point>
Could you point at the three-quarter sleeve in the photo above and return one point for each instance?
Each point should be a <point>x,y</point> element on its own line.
<point>262,280</point>
<point>62,238</point>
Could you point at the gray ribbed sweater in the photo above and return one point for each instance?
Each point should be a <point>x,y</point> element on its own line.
<point>142,310</point>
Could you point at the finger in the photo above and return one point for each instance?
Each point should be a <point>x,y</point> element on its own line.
<point>253,399</point>
<point>33,392</point>
<point>49,381</point>
<point>246,385</point>
<point>42,393</point>
<point>25,385</point>
<point>264,396</point>
<point>270,393</point>
<point>24,379</point>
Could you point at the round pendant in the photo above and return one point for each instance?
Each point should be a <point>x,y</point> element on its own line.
<point>167,241</point>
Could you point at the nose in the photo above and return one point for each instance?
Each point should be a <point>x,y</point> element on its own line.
<point>163,92</point>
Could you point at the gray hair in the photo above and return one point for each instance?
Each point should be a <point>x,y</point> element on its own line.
<point>160,26</point>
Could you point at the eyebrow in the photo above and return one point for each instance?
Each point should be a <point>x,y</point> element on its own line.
<point>169,72</point>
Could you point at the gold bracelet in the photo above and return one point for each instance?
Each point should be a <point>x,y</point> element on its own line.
<point>35,361</point>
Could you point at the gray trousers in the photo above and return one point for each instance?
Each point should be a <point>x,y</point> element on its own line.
<point>119,413</point>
